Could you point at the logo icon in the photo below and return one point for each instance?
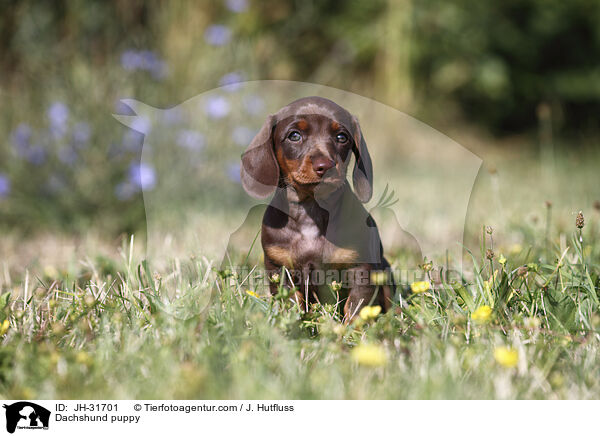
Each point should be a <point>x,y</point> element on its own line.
<point>26,415</point>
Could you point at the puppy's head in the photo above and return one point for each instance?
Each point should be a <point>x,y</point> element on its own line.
<point>307,145</point>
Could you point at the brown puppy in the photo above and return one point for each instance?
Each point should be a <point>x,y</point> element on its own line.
<point>316,226</point>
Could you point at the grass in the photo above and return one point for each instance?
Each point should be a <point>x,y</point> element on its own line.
<point>106,328</point>
<point>79,321</point>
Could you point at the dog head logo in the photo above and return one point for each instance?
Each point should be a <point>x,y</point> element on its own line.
<point>26,415</point>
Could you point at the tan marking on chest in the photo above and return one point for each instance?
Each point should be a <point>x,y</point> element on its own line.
<point>341,256</point>
<point>280,255</point>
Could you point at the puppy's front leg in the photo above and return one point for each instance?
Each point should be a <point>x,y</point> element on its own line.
<point>273,271</point>
<point>361,292</point>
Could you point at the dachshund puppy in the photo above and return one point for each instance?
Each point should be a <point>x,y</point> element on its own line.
<point>315,225</point>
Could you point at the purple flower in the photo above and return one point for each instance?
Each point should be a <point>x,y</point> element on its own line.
<point>150,62</point>
<point>253,104</point>
<point>190,139</point>
<point>243,135</point>
<point>233,172</point>
<point>217,34</point>
<point>237,5</point>
<point>131,60</point>
<point>147,60</point>
<point>58,115</point>
<point>21,138</point>
<point>142,176</point>
<point>217,107</point>
<point>36,155</point>
<point>231,81</point>
<point>4,186</point>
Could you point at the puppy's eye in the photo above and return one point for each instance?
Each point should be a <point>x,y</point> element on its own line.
<point>294,136</point>
<point>342,138</point>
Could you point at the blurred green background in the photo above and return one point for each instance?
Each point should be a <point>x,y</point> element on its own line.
<point>512,78</point>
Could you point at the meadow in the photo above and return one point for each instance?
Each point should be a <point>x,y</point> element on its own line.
<point>82,319</point>
<point>112,280</point>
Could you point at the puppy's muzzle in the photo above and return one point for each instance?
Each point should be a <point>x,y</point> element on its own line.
<point>321,165</point>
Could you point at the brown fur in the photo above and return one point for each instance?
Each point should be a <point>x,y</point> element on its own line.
<point>315,222</point>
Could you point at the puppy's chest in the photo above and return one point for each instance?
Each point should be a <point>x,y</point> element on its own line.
<point>305,244</point>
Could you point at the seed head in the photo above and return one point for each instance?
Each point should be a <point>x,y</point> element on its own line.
<point>597,205</point>
<point>426,266</point>
<point>489,254</point>
<point>489,230</point>
<point>579,221</point>
<point>548,204</point>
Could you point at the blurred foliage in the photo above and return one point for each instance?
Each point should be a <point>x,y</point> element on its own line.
<point>65,162</point>
<point>504,61</point>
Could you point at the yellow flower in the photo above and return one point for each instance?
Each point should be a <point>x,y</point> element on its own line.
<point>83,358</point>
<point>378,277</point>
<point>369,312</point>
<point>502,260</point>
<point>482,314</point>
<point>507,357</point>
<point>4,327</point>
<point>420,287</point>
<point>335,286</point>
<point>252,294</point>
<point>369,355</point>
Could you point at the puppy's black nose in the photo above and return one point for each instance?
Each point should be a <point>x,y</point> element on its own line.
<point>321,164</point>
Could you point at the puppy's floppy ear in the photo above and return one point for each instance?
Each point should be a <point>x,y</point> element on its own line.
<point>362,175</point>
<point>260,171</point>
